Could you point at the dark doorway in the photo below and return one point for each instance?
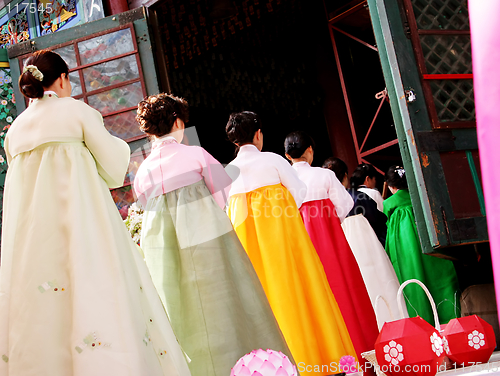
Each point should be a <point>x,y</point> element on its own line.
<point>275,58</point>
<point>262,59</point>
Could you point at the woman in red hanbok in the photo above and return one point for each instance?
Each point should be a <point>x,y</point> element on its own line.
<point>325,206</point>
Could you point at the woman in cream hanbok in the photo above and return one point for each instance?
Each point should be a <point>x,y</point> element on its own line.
<point>76,297</point>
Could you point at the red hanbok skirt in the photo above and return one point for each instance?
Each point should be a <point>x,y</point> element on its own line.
<point>342,271</point>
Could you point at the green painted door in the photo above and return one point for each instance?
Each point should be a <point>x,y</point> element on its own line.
<point>112,68</point>
<point>424,48</point>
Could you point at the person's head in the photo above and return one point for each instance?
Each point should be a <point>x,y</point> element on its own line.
<point>299,147</point>
<point>396,178</point>
<point>364,174</point>
<point>162,114</point>
<point>245,128</point>
<point>339,167</point>
<point>45,70</point>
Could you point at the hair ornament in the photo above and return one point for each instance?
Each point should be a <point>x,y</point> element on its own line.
<point>400,170</point>
<point>34,71</point>
<point>174,114</point>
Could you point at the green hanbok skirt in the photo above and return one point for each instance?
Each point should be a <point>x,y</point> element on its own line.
<point>404,250</point>
<point>213,297</point>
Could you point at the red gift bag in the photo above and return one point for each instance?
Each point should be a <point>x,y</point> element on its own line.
<point>469,340</point>
<point>410,346</point>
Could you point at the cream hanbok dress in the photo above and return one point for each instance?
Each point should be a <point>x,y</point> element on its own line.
<point>76,297</point>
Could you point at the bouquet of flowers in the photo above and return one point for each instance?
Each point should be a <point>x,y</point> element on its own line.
<point>134,221</point>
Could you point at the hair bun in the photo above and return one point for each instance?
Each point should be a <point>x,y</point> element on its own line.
<point>296,143</point>
<point>33,90</point>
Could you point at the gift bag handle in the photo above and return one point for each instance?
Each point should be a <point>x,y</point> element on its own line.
<point>387,304</point>
<point>433,305</point>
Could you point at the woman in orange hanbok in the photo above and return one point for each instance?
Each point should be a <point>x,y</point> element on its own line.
<point>263,207</point>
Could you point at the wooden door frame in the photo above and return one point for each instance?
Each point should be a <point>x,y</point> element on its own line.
<point>419,142</point>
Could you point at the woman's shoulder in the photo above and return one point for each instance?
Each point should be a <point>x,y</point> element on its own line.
<point>373,191</point>
<point>194,153</point>
<point>391,201</point>
<point>320,171</point>
<point>69,102</point>
<point>273,158</point>
<point>194,150</point>
<point>399,200</point>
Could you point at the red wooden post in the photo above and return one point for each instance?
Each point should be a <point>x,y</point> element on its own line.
<point>115,6</point>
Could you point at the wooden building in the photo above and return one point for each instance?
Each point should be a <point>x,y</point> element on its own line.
<point>381,81</point>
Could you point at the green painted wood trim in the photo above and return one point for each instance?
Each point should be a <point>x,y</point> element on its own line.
<point>447,140</point>
<point>477,181</point>
<point>148,63</point>
<point>15,73</point>
<point>4,58</point>
<point>395,89</point>
<point>420,144</point>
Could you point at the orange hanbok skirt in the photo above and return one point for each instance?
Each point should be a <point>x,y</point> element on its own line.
<point>271,230</point>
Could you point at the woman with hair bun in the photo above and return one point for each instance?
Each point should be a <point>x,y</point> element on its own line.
<point>76,297</point>
<point>367,200</point>
<point>263,207</point>
<point>339,167</point>
<point>325,206</point>
<point>405,252</point>
<point>210,290</point>
<point>364,179</point>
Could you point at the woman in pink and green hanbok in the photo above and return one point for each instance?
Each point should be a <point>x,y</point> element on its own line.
<point>206,281</point>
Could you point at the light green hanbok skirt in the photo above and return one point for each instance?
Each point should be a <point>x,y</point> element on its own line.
<point>215,301</point>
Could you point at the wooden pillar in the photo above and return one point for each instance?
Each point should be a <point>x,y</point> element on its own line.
<point>115,6</point>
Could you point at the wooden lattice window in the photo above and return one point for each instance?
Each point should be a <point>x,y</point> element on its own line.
<point>441,40</point>
<point>104,58</point>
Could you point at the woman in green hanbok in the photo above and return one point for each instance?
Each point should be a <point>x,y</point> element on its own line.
<point>404,250</point>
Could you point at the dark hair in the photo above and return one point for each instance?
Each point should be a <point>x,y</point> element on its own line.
<point>50,64</point>
<point>156,114</point>
<point>241,127</point>
<point>363,171</point>
<point>296,143</point>
<point>338,166</point>
<point>396,177</point>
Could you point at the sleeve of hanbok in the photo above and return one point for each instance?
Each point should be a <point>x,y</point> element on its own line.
<point>111,154</point>
<point>377,197</point>
<point>290,179</point>
<point>139,193</point>
<point>216,179</point>
<point>340,198</point>
<point>390,205</point>
<point>6,148</point>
